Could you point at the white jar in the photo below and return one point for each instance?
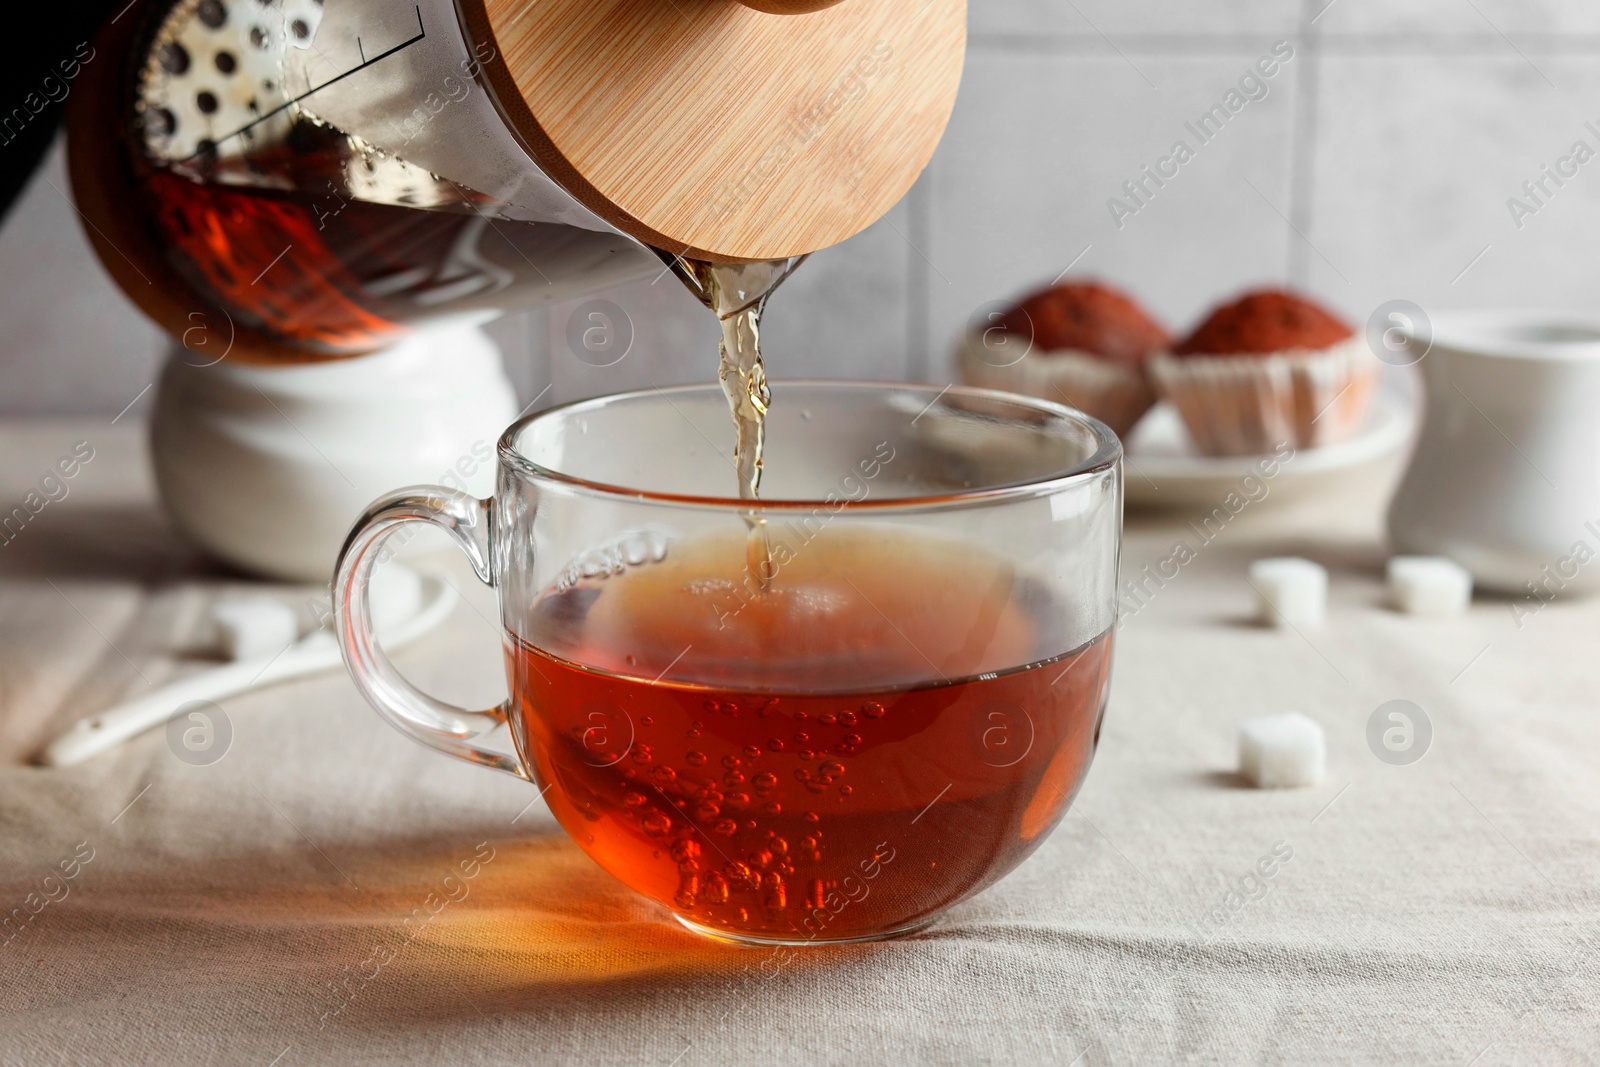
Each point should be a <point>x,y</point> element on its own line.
<point>268,467</point>
<point>1506,475</point>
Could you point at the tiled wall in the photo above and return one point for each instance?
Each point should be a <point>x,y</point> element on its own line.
<point>1377,165</point>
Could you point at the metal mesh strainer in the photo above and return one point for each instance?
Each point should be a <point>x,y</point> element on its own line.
<point>210,102</point>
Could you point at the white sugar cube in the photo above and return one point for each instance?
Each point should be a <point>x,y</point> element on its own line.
<point>1429,585</point>
<point>1290,592</point>
<point>1282,751</point>
<point>255,626</point>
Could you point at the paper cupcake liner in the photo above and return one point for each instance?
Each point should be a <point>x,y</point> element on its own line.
<point>1115,394</point>
<point>1250,404</point>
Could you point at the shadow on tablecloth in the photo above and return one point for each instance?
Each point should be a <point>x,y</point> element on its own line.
<point>374,937</point>
<point>91,542</point>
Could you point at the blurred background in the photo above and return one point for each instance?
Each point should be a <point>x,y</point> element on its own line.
<point>1378,165</point>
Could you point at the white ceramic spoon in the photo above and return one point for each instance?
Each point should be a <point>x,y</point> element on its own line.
<point>312,654</point>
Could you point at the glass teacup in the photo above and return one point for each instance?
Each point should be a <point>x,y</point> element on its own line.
<point>822,716</point>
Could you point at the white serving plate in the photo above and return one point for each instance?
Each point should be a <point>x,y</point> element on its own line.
<point>1164,470</point>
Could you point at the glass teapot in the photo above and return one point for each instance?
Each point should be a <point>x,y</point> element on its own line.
<point>313,178</point>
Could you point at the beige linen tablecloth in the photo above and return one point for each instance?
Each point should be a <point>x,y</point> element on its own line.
<point>269,908</point>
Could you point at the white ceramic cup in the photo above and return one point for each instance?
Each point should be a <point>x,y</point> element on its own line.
<point>1506,474</point>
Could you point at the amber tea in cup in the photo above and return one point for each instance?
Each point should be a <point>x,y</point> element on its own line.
<point>886,716</point>
<point>806,739</point>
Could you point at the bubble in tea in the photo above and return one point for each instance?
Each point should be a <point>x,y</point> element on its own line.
<point>886,725</point>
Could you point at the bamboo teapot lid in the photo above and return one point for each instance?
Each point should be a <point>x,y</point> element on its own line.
<point>728,130</point>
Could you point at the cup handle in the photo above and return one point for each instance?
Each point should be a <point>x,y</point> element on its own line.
<point>414,713</point>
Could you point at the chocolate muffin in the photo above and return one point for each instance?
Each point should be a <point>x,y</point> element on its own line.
<point>1268,369</point>
<point>1082,343</point>
<point>1264,322</point>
